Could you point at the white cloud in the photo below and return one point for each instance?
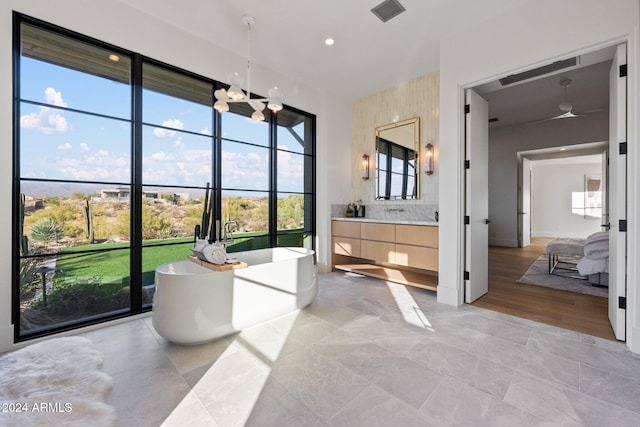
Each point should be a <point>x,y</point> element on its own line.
<point>161,156</point>
<point>206,131</point>
<point>54,98</point>
<point>166,133</point>
<point>65,146</point>
<point>290,166</point>
<point>47,120</point>
<point>103,153</point>
<point>84,146</point>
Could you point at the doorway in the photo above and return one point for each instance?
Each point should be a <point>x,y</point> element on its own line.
<point>585,123</point>
<point>556,194</point>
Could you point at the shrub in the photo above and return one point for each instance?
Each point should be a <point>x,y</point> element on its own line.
<point>45,231</point>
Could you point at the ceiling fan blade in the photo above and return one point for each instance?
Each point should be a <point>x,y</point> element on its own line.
<point>567,115</point>
<point>596,110</point>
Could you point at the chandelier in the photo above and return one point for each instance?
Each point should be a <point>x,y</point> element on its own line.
<point>235,93</point>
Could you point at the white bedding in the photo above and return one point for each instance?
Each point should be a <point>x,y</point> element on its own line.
<point>587,266</point>
<point>598,249</point>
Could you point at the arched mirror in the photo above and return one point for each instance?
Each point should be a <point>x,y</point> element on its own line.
<point>397,160</point>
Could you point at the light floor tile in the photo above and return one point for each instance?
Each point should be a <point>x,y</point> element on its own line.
<point>621,391</point>
<point>374,407</point>
<point>476,371</point>
<point>455,403</point>
<point>323,385</point>
<point>369,353</point>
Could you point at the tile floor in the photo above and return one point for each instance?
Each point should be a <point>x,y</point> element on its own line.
<point>371,353</point>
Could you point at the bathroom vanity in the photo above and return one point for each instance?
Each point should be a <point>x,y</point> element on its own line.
<point>399,251</point>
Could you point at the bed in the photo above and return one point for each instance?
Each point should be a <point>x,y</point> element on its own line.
<point>586,259</point>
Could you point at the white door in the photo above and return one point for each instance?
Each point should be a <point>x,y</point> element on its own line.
<point>525,214</point>
<point>477,196</point>
<point>617,189</point>
<point>604,187</point>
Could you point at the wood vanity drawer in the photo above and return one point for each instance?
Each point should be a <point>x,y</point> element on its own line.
<point>346,246</point>
<point>420,235</point>
<point>378,231</point>
<point>346,229</point>
<point>416,256</point>
<point>379,251</point>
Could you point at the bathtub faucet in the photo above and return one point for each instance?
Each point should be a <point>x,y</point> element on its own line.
<point>229,228</point>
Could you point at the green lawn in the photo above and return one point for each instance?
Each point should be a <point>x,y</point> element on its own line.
<point>113,266</point>
<point>91,283</point>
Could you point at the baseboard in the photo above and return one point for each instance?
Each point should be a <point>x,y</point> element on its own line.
<point>504,242</point>
<point>447,295</point>
<point>633,340</point>
<point>6,338</point>
<point>556,234</point>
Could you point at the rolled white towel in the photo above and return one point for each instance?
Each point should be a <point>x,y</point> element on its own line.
<point>215,253</point>
<point>199,245</point>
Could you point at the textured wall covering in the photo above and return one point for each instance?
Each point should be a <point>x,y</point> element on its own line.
<point>415,98</point>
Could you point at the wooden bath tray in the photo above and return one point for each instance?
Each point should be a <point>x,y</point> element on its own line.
<point>221,267</point>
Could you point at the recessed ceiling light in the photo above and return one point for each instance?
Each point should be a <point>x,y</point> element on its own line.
<point>329,41</point>
<point>114,58</point>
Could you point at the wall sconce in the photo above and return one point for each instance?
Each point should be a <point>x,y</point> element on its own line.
<point>430,161</point>
<point>365,167</point>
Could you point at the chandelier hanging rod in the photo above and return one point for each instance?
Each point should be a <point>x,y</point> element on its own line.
<point>235,94</point>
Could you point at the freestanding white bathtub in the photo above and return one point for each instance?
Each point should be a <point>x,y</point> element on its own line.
<point>193,304</point>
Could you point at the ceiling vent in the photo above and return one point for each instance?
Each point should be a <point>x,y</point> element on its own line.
<point>388,9</point>
<point>537,72</point>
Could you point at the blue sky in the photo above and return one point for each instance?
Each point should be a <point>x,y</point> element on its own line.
<point>59,144</point>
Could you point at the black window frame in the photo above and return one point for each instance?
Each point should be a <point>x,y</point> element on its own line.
<point>136,184</point>
<point>387,148</point>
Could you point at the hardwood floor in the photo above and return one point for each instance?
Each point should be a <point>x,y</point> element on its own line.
<point>578,312</point>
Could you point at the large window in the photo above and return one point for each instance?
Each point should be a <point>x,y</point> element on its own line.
<point>113,156</point>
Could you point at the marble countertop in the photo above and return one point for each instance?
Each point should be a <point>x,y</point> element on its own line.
<point>388,221</point>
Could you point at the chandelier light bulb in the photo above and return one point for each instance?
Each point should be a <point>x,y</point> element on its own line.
<point>221,106</point>
<point>257,116</point>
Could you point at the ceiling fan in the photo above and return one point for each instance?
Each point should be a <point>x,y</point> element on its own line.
<point>565,106</point>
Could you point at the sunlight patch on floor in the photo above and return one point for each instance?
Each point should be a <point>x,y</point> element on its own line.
<point>411,312</point>
<point>228,391</point>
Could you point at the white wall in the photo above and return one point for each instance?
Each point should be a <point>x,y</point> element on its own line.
<point>112,22</point>
<point>334,171</point>
<point>528,35</point>
<point>552,187</point>
<point>505,143</point>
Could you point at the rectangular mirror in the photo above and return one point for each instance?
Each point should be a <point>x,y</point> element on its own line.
<point>397,160</point>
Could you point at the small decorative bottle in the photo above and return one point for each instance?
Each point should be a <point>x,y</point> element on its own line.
<point>349,210</point>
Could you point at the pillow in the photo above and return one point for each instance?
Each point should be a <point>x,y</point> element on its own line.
<point>600,235</point>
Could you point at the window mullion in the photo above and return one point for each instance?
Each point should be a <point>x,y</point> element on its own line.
<point>273,181</point>
<point>136,183</point>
